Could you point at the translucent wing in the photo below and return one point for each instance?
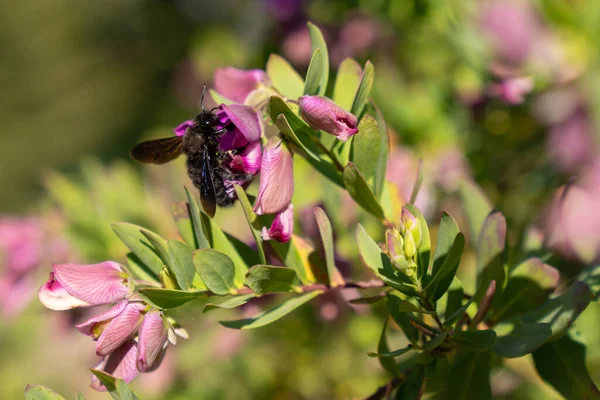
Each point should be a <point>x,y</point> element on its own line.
<point>207,187</point>
<point>158,151</point>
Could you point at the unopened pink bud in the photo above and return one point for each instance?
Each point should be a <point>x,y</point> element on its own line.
<point>321,113</point>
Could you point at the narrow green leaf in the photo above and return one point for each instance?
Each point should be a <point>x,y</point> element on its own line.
<point>384,150</point>
<point>124,391</point>
<point>80,396</point>
<point>563,365</point>
<point>139,269</point>
<point>140,246</point>
<point>562,311</point>
<point>37,392</point>
<point>347,82</point>
<point>476,206</point>
<point>250,218</point>
<point>469,378</point>
<point>227,302</point>
<point>360,191</point>
<point>108,381</point>
<point>475,340</point>
<point>318,45</point>
<point>308,149</point>
<point>447,233</point>
<point>441,280</point>
<point>435,342</point>
<point>284,77</point>
<point>491,252</point>
<point>200,237</point>
<point>591,276</point>
<point>388,364</point>
<point>182,264</point>
<point>273,314</point>
<point>395,353</point>
<point>263,279</point>
<point>425,249</point>
<point>158,244</point>
<point>295,255</point>
<point>182,217</point>
<point>216,270</point>
<point>169,298</point>
<point>522,339</point>
<point>365,145</point>
<point>378,262</point>
<point>454,297</point>
<point>364,90</point>
<point>313,85</point>
<point>402,318</point>
<point>335,277</point>
<point>413,385</point>
<point>223,243</point>
<point>528,287</point>
<point>402,306</point>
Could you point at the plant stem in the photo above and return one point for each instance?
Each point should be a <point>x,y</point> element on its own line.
<point>324,288</point>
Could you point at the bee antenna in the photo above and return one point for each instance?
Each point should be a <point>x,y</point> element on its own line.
<point>202,100</point>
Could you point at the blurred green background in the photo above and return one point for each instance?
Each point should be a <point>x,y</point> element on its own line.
<point>84,81</point>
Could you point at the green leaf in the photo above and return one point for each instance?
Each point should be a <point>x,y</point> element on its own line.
<point>562,364</point>
<point>591,276</point>
<point>308,150</point>
<point>133,238</point>
<point>435,342</point>
<point>360,191</point>
<point>562,311</point>
<point>185,227</point>
<point>123,390</point>
<point>221,242</point>
<point>108,381</point>
<point>273,314</point>
<point>284,77</point>
<point>295,255</point>
<point>441,280</point>
<point>413,385</point>
<point>364,90</point>
<point>388,364</point>
<point>218,98</point>
<point>447,233</point>
<point>395,353</point>
<point>313,85</point>
<point>402,318</point>
<point>200,237</point>
<point>380,172</point>
<point>263,279</point>
<point>80,396</point>
<point>454,297</point>
<point>528,287</point>
<point>139,269</point>
<point>367,148</point>
<point>158,243</point>
<point>425,249</point>
<point>227,302</point>
<point>250,218</point>
<point>378,262</point>
<point>475,340</point>
<point>169,298</point>
<point>347,82</point>
<point>182,264</point>
<point>456,315</point>
<point>522,339</point>
<point>321,68</point>
<point>326,232</point>
<point>216,270</point>
<point>469,378</point>
<point>406,306</point>
<point>491,252</point>
<point>37,392</point>
<point>476,207</point>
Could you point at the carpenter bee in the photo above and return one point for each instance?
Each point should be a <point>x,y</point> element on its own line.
<point>206,162</point>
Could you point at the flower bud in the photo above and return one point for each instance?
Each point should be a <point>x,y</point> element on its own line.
<point>395,248</point>
<point>282,227</point>
<point>410,248</point>
<point>409,225</point>
<point>321,113</point>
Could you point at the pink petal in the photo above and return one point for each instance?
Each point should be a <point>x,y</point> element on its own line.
<point>120,364</point>
<point>276,178</point>
<point>93,283</point>
<point>15,295</point>
<point>282,227</point>
<point>87,327</point>
<point>243,118</point>
<point>248,160</point>
<point>181,128</point>
<point>236,84</point>
<point>323,114</point>
<point>55,297</point>
<point>152,339</point>
<point>120,329</point>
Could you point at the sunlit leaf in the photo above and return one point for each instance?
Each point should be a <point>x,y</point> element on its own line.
<point>490,252</point>
<point>216,270</point>
<point>37,392</point>
<point>368,149</point>
<point>326,232</point>
<point>446,259</point>
<point>321,68</point>
<point>346,83</point>
<point>169,298</point>
<point>425,249</point>
<point>284,77</point>
<point>182,264</point>
<point>360,191</point>
<point>133,238</point>
<point>199,235</point>
<point>263,279</point>
<point>294,254</point>
<point>158,244</point>
<point>364,90</point>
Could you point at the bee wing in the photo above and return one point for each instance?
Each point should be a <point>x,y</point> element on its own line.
<point>207,186</point>
<point>158,151</point>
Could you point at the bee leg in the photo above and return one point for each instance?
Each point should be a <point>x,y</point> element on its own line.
<point>232,176</point>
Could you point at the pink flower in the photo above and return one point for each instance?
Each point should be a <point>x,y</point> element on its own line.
<point>75,285</point>
<point>237,84</point>
<point>182,127</point>
<point>512,91</point>
<point>152,341</point>
<point>242,126</point>
<point>321,113</point>
<point>276,178</point>
<point>20,243</point>
<point>248,160</point>
<point>120,364</point>
<point>282,227</point>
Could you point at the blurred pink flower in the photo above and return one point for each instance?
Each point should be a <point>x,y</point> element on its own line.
<point>322,113</point>
<point>282,227</point>
<point>571,143</point>
<point>511,28</point>
<point>450,168</point>
<point>296,47</point>
<point>276,178</point>
<point>237,84</point>
<point>20,243</point>
<point>512,91</point>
